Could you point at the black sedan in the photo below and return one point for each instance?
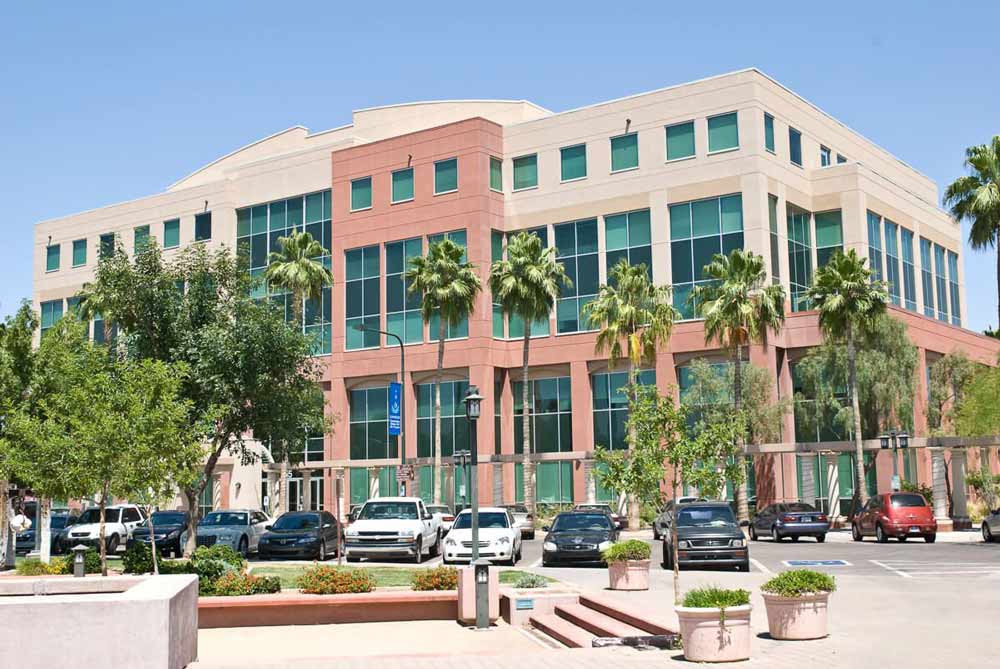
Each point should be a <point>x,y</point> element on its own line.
<point>707,535</point>
<point>25,540</point>
<point>301,534</point>
<point>578,537</point>
<point>167,529</point>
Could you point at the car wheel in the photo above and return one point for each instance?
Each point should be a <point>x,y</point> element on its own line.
<point>656,535</point>
<point>668,556</point>
<point>419,552</point>
<point>795,538</point>
<point>775,534</point>
<point>930,538</point>
<point>902,539</point>
<point>856,532</point>
<point>753,533</point>
<point>436,547</point>
<point>322,551</point>
<point>244,547</point>
<point>820,538</point>
<point>113,544</point>
<point>880,535</point>
<point>352,558</point>
<point>987,535</point>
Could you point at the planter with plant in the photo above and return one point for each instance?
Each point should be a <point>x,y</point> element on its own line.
<point>796,603</point>
<point>715,625</point>
<point>628,565</point>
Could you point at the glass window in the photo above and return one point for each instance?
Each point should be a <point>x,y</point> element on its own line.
<point>496,174</point>
<point>172,233</point>
<point>203,226</point>
<point>611,406</point>
<point>402,308</point>
<point>723,133</point>
<point>402,185</point>
<point>795,146</point>
<point>927,277</point>
<point>51,312</point>
<point>624,152</point>
<point>940,278</point>
<point>525,172</point>
<point>461,330</point>
<point>769,132</point>
<point>79,252</point>
<point>875,245</point>
<point>140,238</point>
<point>800,262</point>
<point>824,156</point>
<point>573,162</point>
<point>627,236</point>
<point>107,245</point>
<point>551,419</point>
<point>680,140</point>
<point>892,275</point>
<point>369,424</point>
<point>829,236</point>
<point>956,311</point>
<point>576,249</point>
<point>699,230</point>
<point>454,425</point>
<point>496,253</point>
<point>446,176</point>
<point>52,253</point>
<point>909,270</point>
<point>772,219</point>
<point>841,159</point>
<point>362,297</point>
<point>361,194</point>
<point>555,484</point>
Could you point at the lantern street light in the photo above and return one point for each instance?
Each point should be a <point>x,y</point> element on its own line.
<point>481,568</point>
<point>895,440</point>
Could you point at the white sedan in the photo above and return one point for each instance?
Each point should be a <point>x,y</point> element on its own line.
<point>499,537</point>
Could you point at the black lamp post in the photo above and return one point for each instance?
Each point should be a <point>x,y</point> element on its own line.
<point>895,440</point>
<point>361,327</point>
<point>473,405</point>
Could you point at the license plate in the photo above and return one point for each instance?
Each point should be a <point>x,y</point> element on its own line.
<point>806,519</point>
<point>914,530</point>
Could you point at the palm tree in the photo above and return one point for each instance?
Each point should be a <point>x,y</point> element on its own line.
<point>849,302</point>
<point>527,284</point>
<point>635,318</point>
<point>450,287</point>
<point>976,198</point>
<point>296,269</point>
<point>740,306</point>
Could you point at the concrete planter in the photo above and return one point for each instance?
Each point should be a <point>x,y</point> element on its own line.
<point>797,618</point>
<point>711,637</point>
<point>629,575</point>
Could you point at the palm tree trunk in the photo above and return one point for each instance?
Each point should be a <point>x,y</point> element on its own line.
<point>437,411</point>
<point>742,505</point>
<point>4,523</point>
<point>528,465</point>
<point>634,515</point>
<point>859,449</point>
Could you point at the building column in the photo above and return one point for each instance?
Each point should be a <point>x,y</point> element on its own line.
<point>960,512</point>
<point>832,485</point>
<point>373,482</point>
<point>306,490</point>
<point>590,484</point>
<point>272,493</point>
<point>786,390</point>
<point>939,485</point>
<point>497,472</point>
<point>809,491</point>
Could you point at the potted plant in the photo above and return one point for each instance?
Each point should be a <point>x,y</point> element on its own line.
<point>796,603</point>
<point>715,625</point>
<point>628,565</point>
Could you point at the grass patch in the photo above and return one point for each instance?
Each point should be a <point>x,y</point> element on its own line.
<point>385,577</point>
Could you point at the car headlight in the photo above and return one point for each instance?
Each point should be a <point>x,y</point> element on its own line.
<point>265,540</point>
<point>351,533</point>
<point>549,546</point>
<point>450,542</point>
<point>604,545</point>
<point>174,534</point>
<point>683,544</point>
<point>306,540</point>
<point>407,533</point>
<point>736,543</point>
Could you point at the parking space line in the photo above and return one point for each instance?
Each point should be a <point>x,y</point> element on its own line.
<point>888,568</point>
<point>760,565</point>
<point>956,572</point>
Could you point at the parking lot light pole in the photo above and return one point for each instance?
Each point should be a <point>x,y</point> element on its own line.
<point>896,440</point>
<point>481,568</point>
<point>361,327</point>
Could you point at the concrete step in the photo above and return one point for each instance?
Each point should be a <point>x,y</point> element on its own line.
<point>563,631</point>
<point>596,622</point>
<point>636,619</point>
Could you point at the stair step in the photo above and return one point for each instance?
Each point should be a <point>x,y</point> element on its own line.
<point>636,619</point>
<point>563,631</point>
<point>596,622</point>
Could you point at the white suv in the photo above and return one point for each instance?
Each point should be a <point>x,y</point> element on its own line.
<point>119,522</point>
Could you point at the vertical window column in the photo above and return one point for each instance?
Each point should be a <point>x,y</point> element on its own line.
<point>611,406</point>
<point>496,253</point>
<point>551,421</point>
<point>51,312</point>
<point>772,219</point>
<point>454,424</point>
<point>627,236</point>
<point>875,245</point>
<point>362,290</point>
<point>829,236</point>
<point>369,425</point>
<point>956,310</point>
<point>927,277</point>
<point>576,248</point>
<point>698,231</point>
<point>402,308</point>
<point>909,271</point>
<point>800,262</point>
<point>892,262</point>
<point>940,278</point>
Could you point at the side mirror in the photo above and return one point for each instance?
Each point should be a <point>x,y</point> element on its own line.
<point>267,526</point>
<point>545,528</point>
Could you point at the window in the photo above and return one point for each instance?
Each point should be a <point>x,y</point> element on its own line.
<point>130,515</point>
<point>769,132</point>
<point>829,236</point>
<point>496,253</point>
<point>452,331</point>
<point>79,252</point>
<point>454,425</point>
<point>107,245</point>
<point>573,162</point>
<point>206,501</point>
<point>875,245</point>
<point>909,280</point>
<point>73,306</point>
<point>369,424</point>
<point>611,406</point>
<point>402,308</point>
<point>172,233</point>
<point>576,249</point>
<point>625,152</point>
<point>942,283</point>
<point>956,311</point>
<point>892,262</point>
<point>551,420</point>
<point>496,174</point>
<point>680,140</point>
<point>841,159</point>
<point>525,172</point>
<point>772,219</point>
<point>554,482</point>
<point>927,277</point>
<point>362,279</point>
<point>723,133</point>
<point>51,313</point>
<point>800,267</point>
<point>402,185</point>
<point>446,176</point>
<point>203,226</point>
<point>361,194</point>
<point>699,230</point>
<point>627,237</point>
<point>52,253</point>
<point>312,449</point>
<point>140,238</point>
<point>795,146</point>
<point>824,156</point>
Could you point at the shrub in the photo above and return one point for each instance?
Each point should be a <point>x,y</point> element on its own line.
<point>919,488</point>
<point>714,597</point>
<point>324,580</point>
<point>137,560</point>
<point>33,567</point>
<point>91,563</point>
<point>633,549</point>
<point>439,578</point>
<point>234,583</point>
<point>798,582</point>
<point>211,562</point>
<point>528,581</point>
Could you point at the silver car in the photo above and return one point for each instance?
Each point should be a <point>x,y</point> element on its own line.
<point>522,519</point>
<point>240,529</point>
<point>991,526</point>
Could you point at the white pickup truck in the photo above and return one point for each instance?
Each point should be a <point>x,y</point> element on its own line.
<point>393,527</point>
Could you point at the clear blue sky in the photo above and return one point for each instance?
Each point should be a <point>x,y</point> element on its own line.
<point>105,102</point>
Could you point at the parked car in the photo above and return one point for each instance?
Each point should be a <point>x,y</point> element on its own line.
<point>302,534</point>
<point>578,537</point>
<point>444,515</point>
<point>667,512</point>
<point>167,529</point>
<point>120,520</point>
<point>991,526</point>
<point>600,508</point>
<point>793,519</point>
<point>895,514</point>
<point>58,522</point>
<point>522,519</point>
<point>707,535</point>
<point>393,527</point>
<point>499,537</point>
<point>240,529</point>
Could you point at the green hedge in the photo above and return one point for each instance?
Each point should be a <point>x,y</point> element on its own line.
<point>798,582</point>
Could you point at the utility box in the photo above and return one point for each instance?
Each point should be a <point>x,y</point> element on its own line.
<point>467,595</point>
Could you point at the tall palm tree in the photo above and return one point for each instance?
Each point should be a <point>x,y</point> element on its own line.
<point>635,318</point>
<point>740,306</point>
<point>295,268</point>
<point>849,302</point>
<point>527,284</point>
<point>450,287</point>
<point>976,198</point>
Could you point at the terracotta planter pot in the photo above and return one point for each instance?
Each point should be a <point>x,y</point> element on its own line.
<point>629,575</point>
<point>709,638</point>
<point>797,618</point>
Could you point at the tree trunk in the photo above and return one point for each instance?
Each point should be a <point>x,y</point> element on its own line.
<point>100,534</point>
<point>740,491</point>
<point>5,517</point>
<point>43,533</point>
<point>191,495</point>
<point>283,486</point>
<point>989,498</point>
<point>152,540</point>
<point>528,465</point>
<point>634,512</point>
<point>437,410</point>
<point>673,540</point>
<point>859,448</point>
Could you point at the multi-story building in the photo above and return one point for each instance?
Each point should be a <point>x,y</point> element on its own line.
<point>666,178</point>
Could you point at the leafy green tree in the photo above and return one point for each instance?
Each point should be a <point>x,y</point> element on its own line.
<point>527,284</point>
<point>849,302</point>
<point>740,307</point>
<point>635,318</point>
<point>975,197</point>
<point>949,376</point>
<point>977,416</point>
<point>450,286</point>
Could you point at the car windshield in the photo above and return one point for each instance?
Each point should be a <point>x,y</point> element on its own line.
<point>582,522</point>
<point>94,516</point>
<point>297,521</point>
<point>388,511</point>
<point>487,519</point>
<point>217,518</point>
<point>439,509</point>
<point>711,516</point>
<point>909,500</point>
<point>58,522</point>
<point>798,507</point>
<point>166,518</point>
<point>599,508</point>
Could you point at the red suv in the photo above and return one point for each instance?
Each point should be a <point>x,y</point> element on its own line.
<point>895,514</point>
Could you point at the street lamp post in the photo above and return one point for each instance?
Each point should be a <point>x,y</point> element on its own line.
<point>361,327</point>
<point>896,440</point>
<point>481,568</point>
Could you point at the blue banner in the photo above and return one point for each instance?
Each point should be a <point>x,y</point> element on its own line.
<point>395,408</point>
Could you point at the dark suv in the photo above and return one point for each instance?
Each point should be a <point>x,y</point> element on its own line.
<point>707,535</point>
